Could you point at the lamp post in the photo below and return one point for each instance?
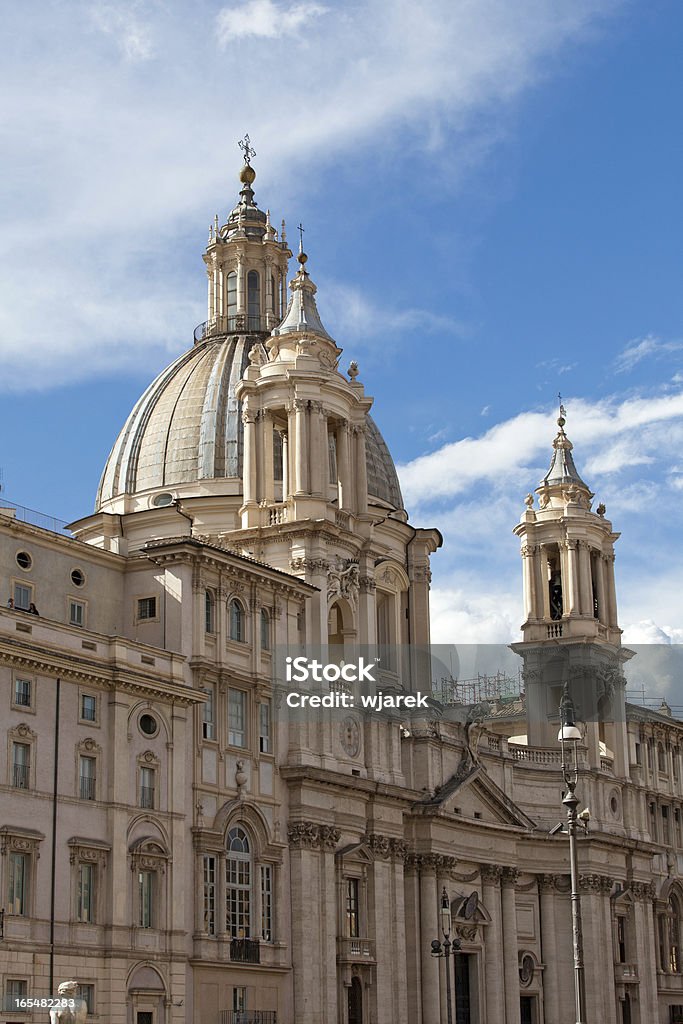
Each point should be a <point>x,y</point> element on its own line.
<point>444,949</point>
<point>569,733</point>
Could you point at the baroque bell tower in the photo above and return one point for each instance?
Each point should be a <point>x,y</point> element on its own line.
<point>571,635</point>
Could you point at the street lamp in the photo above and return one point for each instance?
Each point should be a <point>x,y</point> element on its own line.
<point>569,733</point>
<point>439,949</point>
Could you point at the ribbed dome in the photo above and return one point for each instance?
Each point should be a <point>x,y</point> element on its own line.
<point>187,427</point>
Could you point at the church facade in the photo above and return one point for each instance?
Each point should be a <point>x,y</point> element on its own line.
<point>187,852</point>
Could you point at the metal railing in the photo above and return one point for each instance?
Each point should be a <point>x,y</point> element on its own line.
<point>245,951</point>
<point>247,1017</point>
<point>242,323</point>
<point>22,514</point>
<point>87,787</point>
<point>21,774</point>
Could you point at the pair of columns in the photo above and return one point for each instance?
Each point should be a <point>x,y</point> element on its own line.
<point>580,564</point>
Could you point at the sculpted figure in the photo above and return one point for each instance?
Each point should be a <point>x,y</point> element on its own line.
<point>66,1015</point>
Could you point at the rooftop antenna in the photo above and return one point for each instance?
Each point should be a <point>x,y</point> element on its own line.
<point>247,149</point>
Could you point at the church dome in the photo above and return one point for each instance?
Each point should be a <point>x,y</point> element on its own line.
<point>186,430</point>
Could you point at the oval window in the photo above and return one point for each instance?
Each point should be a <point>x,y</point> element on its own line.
<point>24,560</point>
<point>163,500</point>
<point>148,725</point>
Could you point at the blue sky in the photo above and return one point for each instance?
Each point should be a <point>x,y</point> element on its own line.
<point>492,202</point>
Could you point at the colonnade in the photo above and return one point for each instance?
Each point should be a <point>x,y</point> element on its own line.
<point>581,565</point>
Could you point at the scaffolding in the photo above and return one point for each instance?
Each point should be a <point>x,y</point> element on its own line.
<point>499,687</point>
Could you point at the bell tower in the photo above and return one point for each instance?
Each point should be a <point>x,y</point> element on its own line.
<point>570,630</point>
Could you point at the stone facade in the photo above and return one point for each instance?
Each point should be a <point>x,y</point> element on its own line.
<point>216,862</point>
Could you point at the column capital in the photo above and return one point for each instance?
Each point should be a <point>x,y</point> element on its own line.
<point>596,883</point>
<point>509,876</point>
<point>491,874</point>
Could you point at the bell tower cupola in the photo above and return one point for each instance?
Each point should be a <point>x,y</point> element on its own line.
<point>246,266</point>
<point>568,556</point>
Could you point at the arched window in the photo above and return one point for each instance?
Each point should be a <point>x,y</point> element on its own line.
<point>209,612</point>
<point>238,882</point>
<point>232,294</point>
<point>265,630</point>
<point>253,300</point>
<point>237,631</point>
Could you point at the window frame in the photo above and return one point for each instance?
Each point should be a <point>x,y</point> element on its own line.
<point>209,612</point>
<point>20,705</point>
<point>265,738</point>
<point>82,718</point>
<point>21,769</point>
<point>143,601</point>
<point>244,731</point>
<point>237,621</point>
<point>208,713</point>
<point>77,603</point>
<point>147,795</point>
<point>86,908</point>
<point>22,584</point>
<point>87,783</point>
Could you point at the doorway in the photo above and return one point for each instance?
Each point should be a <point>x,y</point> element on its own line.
<point>355,998</point>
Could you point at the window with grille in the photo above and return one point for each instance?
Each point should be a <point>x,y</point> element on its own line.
<point>147,608</point>
<point>147,784</point>
<point>88,707</point>
<point>87,994</point>
<point>21,765</point>
<point>15,989</point>
<point>87,768</point>
<point>238,884</point>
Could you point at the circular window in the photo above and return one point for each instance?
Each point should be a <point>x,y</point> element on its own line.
<point>614,804</point>
<point>24,560</point>
<point>162,500</point>
<point>77,577</point>
<point>148,725</point>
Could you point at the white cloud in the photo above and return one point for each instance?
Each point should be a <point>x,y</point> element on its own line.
<point>136,157</point>
<point>263,18</point>
<point>644,348</point>
<point>613,434</point>
<point>132,35</point>
<point>468,616</point>
<point>354,316</point>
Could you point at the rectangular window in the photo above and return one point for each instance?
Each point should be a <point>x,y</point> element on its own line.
<point>266,903</point>
<point>237,717</point>
<point>621,939</point>
<point>21,765</point>
<point>88,707</point>
<point>265,744</point>
<point>146,884</point>
<point>15,990</point>
<point>352,922</point>
<point>238,897</point>
<point>239,999</point>
<point>677,828</point>
<point>210,895</point>
<point>22,693</point>
<point>85,909</point>
<point>87,772</point>
<point>209,612</point>
<point>208,725</point>
<point>76,613</point>
<point>147,782</point>
<point>144,1017</point>
<point>147,608</point>
<point>87,994</point>
<point>23,597</point>
<point>666,826</point>
<point>639,756</point>
<point>17,888</point>
<point>653,822</point>
<point>265,630</point>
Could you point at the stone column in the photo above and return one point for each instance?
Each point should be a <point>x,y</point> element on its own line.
<point>645,952</point>
<point>493,951</point>
<point>611,592</point>
<point>343,467</point>
<point>267,464</point>
<point>572,588</point>
<point>528,578</point>
<point>585,580</point>
<point>413,938</point>
<point>249,457</point>
<point>285,465</point>
<point>301,446</point>
<point>510,950</point>
<point>551,988</point>
<point>317,451</point>
<point>596,919</point>
<point>361,470</point>
<point>429,929</point>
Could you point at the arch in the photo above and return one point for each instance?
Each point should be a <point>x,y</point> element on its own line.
<point>146,975</point>
<point>237,620</point>
<point>242,812</point>
<point>134,835</point>
<point>148,705</point>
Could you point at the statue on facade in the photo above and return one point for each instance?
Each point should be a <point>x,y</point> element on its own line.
<point>76,1012</point>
